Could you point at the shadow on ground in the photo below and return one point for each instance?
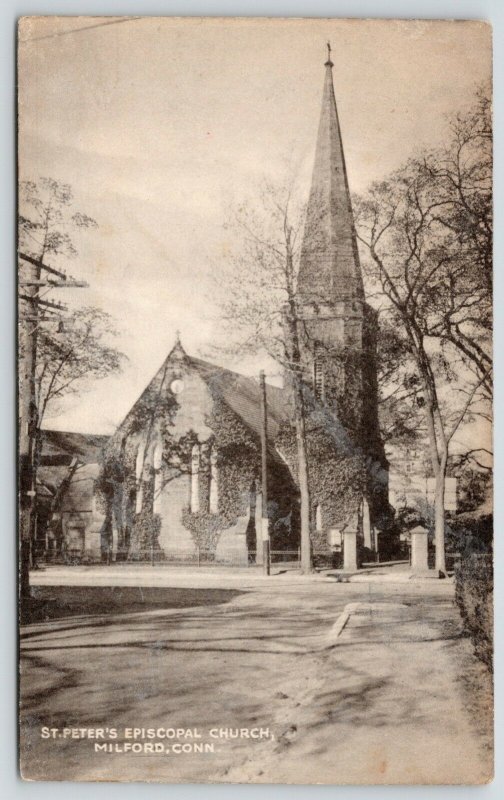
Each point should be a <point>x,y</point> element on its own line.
<point>53,603</point>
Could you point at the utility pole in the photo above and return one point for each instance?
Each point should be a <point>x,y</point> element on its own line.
<point>264,475</point>
<point>30,318</point>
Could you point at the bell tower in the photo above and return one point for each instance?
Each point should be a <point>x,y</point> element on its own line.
<point>338,350</point>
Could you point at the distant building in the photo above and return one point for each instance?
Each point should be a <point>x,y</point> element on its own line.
<point>411,484</point>
<point>69,520</point>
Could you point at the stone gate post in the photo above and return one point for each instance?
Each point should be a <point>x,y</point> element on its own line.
<point>419,550</point>
<point>350,550</point>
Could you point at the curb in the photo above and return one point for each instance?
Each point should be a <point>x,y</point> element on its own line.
<point>337,628</point>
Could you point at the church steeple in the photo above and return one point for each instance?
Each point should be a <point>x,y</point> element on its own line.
<point>329,266</point>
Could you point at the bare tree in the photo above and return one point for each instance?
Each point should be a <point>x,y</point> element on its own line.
<point>47,219</point>
<point>261,308</point>
<point>399,391</point>
<point>79,348</point>
<point>68,359</point>
<point>428,262</point>
<point>459,181</point>
<point>64,353</point>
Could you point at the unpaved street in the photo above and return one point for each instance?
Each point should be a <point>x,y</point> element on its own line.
<point>383,702</point>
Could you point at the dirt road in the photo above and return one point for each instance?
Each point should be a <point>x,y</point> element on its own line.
<point>381,703</point>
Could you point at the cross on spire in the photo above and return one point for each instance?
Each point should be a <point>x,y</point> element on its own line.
<point>177,350</point>
<point>329,63</point>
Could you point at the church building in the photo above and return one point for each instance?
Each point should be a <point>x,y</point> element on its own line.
<point>182,473</point>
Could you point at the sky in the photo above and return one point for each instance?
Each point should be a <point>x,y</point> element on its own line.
<point>158,123</point>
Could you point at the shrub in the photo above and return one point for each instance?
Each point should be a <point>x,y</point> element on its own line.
<point>474,597</point>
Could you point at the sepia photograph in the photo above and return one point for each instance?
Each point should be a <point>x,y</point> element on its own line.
<point>255,467</point>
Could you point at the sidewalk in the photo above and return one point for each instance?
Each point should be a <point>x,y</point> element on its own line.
<point>388,705</point>
<point>146,575</point>
<point>393,572</point>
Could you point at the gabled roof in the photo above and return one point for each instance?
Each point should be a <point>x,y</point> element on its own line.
<point>243,395</point>
<point>240,392</point>
<point>60,446</point>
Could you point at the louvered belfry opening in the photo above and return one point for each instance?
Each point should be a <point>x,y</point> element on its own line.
<point>318,373</point>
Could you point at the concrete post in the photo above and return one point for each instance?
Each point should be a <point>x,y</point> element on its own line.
<point>350,551</point>
<point>366,524</point>
<point>419,550</point>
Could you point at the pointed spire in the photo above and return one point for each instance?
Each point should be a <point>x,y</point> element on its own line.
<point>329,268</point>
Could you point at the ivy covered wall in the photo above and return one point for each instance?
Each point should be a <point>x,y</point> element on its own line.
<point>337,479</point>
<point>165,521</point>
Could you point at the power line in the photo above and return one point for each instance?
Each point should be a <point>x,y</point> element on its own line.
<point>84,28</point>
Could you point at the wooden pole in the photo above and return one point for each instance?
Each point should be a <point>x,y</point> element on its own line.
<point>29,319</point>
<point>264,475</point>
<point>29,307</point>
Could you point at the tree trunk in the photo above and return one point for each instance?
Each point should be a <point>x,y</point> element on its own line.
<point>438,451</point>
<point>439,462</point>
<point>439,516</point>
<point>294,349</point>
<point>303,478</point>
<point>37,457</point>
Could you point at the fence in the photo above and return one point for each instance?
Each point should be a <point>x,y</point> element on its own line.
<point>284,559</point>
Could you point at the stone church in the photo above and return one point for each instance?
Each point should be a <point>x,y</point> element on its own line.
<point>182,472</point>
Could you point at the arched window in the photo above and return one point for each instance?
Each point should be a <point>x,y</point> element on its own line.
<point>195,465</point>
<point>157,455</point>
<point>214,482</point>
<point>139,464</point>
<point>139,499</point>
<point>157,460</point>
